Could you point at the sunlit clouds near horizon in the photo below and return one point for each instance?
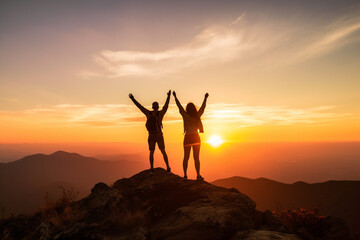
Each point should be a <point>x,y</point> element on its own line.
<point>230,115</point>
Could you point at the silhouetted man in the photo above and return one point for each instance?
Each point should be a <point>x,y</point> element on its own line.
<point>154,126</point>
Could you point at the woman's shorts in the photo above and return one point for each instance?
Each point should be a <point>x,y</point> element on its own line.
<point>191,139</point>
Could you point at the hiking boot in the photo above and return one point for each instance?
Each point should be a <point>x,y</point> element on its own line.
<point>168,170</point>
<point>200,178</point>
<point>185,178</point>
<point>151,171</point>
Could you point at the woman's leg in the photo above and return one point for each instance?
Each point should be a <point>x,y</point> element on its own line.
<point>186,158</point>
<point>196,153</point>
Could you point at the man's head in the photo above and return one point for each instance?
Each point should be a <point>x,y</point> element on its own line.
<point>155,105</point>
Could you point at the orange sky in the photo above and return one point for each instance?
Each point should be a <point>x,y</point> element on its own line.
<point>118,123</point>
<point>274,72</point>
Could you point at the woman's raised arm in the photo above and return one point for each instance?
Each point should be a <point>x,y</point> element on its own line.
<point>203,105</point>
<point>181,109</point>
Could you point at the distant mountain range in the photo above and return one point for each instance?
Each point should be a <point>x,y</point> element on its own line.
<point>24,183</point>
<point>333,198</point>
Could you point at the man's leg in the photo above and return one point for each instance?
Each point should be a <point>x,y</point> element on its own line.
<point>186,159</point>
<point>165,158</point>
<point>151,143</point>
<point>161,144</point>
<point>151,157</point>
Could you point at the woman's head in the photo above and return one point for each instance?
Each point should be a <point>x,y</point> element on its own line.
<point>191,110</point>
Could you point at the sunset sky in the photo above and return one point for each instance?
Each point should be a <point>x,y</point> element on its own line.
<point>275,70</point>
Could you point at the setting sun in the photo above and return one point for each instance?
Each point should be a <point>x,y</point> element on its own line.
<point>215,140</point>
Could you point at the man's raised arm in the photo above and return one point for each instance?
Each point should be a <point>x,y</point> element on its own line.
<point>144,110</point>
<point>203,105</point>
<point>166,105</point>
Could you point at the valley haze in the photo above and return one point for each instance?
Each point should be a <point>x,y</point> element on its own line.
<point>285,162</point>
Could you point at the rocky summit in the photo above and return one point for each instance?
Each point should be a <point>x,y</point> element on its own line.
<point>157,206</point>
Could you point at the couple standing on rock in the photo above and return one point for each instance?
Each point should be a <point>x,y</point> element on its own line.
<point>192,126</point>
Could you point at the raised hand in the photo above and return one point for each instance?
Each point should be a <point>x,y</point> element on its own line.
<point>174,93</point>
<point>206,95</point>
<point>169,93</point>
<point>131,96</point>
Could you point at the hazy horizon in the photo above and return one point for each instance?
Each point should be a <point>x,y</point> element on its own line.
<point>285,162</point>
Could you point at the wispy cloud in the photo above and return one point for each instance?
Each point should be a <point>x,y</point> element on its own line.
<point>214,44</point>
<point>266,43</point>
<point>335,36</point>
<point>92,115</point>
<point>242,115</point>
<point>238,19</point>
<point>88,74</point>
<point>237,115</point>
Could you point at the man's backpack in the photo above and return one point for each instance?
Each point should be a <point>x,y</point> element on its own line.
<point>153,124</point>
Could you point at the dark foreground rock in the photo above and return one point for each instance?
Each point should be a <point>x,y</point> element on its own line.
<point>158,206</point>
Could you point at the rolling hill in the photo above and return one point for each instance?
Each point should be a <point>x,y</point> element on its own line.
<point>24,183</point>
<point>333,198</point>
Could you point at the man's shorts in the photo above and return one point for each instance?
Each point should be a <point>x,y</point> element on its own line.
<point>156,138</point>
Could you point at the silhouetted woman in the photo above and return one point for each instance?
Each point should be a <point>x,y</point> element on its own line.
<point>192,127</point>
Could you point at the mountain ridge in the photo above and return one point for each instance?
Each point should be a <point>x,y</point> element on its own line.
<point>279,182</point>
<point>32,176</point>
<point>161,206</point>
<point>333,197</point>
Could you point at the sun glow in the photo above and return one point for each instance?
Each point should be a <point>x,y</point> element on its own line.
<point>215,141</point>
